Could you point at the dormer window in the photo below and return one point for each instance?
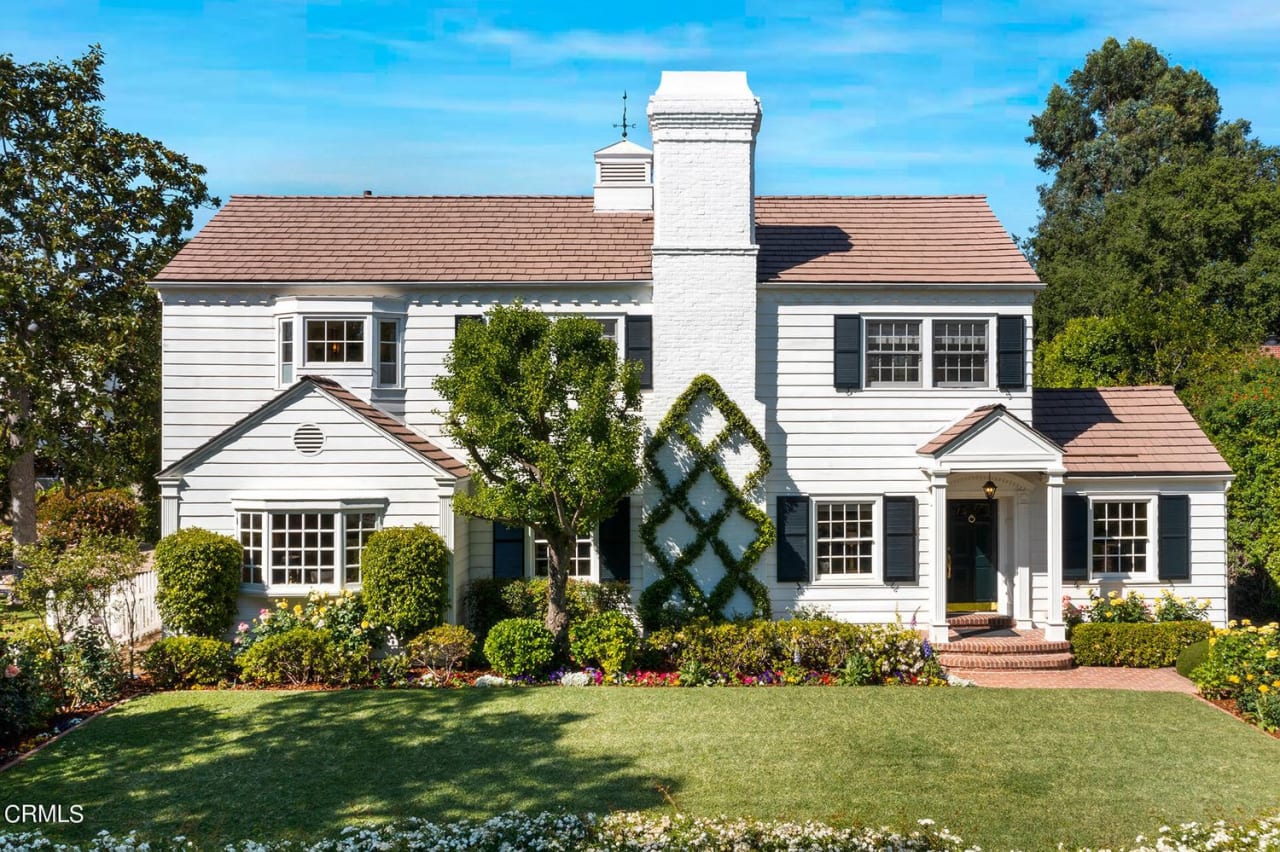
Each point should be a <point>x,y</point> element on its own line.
<point>335,341</point>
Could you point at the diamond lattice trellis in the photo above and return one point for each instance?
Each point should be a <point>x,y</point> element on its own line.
<point>705,458</point>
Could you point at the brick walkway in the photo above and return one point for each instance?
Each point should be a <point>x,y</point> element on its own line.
<point>1084,677</point>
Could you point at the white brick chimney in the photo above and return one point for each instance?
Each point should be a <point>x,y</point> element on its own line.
<point>704,126</point>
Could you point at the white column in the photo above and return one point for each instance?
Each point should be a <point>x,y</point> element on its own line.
<point>938,630</point>
<point>169,519</point>
<point>1054,629</point>
<point>1022,582</point>
<point>447,533</point>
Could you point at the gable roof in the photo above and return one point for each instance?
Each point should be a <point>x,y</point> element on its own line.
<point>374,416</point>
<point>890,239</point>
<point>1125,431</point>
<point>974,422</point>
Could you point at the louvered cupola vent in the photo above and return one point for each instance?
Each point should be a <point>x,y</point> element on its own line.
<point>308,439</point>
<point>624,178</point>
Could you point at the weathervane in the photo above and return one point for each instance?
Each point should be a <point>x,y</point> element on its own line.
<point>624,124</point>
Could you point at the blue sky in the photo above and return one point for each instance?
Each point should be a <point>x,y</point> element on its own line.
<point>335,96</point>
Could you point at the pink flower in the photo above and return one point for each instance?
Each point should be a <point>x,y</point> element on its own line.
<point>243,628</point>
<point>12,670</point>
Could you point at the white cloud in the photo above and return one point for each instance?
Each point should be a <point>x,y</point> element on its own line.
<point>663,45</point>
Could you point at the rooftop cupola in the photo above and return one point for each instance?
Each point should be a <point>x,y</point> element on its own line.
<point>624,178</point>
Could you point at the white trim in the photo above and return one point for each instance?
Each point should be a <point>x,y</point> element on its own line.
<point>1152,572</point>
<point>378,319</point>
<point>876,576</point>
<point>593,570</point>
<point>311,502</point>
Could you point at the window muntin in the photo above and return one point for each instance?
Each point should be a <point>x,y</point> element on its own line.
<point>608,327</point>
<point>579,560</point>
<point>388,352</point>
<point>893,353</point>
<point>357,527</point>
<point>960,353</point>
<point>250,528</point>
<point>1120,536</point>
<point>303,548</point>
<point>335,341</point>
<point>286,352</point>
<point>845,538</point>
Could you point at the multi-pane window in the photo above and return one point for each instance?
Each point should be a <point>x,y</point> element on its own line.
<point>959,353</point>
<point>388,352</point>
<point>286,352</point>
<point>251,541</point>
<point>893,352</point>
<point>303,548</point>
<point>846,535</point>
<point>1120,536</point>
<point>358,526</point>
<point>335,341</point>
<point>608,328</point>
<point>579,559</point>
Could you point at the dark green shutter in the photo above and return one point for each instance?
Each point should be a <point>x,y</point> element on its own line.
<point>615,543</point>
<point>1175,537</point>
<point>1075,537</point>
<point>901,545</point>
<point>459,319</point>
<point>508,551</point>
<point>640,347</point>
<point>793,539</point>
<point>1011,353</point>
<point>848,352</point>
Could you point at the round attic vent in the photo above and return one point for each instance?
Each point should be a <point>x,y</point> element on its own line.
<point>308,439</point>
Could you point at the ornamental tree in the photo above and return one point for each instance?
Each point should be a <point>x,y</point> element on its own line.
<point>550,419</point>
<point>88,214</point>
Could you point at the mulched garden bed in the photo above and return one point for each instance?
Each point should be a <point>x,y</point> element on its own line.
<point>1230,706</point>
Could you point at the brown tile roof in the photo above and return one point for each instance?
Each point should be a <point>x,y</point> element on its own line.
<point>388,424</point>
<point>955,430</point>
<point>1121,431</point>
<point>894,239</point>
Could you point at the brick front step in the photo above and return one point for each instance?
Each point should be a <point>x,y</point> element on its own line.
<point>1003,645</point>
<point>1006,662</point>
<point>980,621</point>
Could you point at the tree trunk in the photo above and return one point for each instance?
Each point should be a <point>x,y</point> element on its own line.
<point>557,582</point>
<point>22,475</point>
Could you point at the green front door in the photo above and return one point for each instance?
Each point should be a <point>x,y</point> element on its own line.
<point>971,555</point>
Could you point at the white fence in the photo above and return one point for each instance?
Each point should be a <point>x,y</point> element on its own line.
<point>131,601</point>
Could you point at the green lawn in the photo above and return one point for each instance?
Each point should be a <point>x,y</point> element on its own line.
<point>1003,768</point>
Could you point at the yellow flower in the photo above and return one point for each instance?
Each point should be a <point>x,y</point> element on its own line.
<point>1249,677</point>
<point>1113,594</point>
<point>1233,678</point>
<point>281,605</point>
<point>1213,640</point>
<point>1272,654</point>
<point>297,609</point>
<point>1276,683</point>
<point>1262,687</point>
<point>364,625</point>
<point>1245,621</point>
<point>1231,623</point>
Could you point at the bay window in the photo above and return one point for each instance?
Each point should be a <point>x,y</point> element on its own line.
<point>304,548</point>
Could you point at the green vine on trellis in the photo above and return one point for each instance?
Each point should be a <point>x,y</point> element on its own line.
<point>676,576</point>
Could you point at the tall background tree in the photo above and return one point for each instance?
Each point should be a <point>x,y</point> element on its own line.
<point>1159,244</point>
<point>88,214</point>
<point>549,417</point>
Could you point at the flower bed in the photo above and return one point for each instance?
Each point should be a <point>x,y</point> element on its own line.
<point>636,832</point>
<point>1243,665</point>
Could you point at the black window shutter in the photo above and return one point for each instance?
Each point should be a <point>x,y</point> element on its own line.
<point>1175,537</point>
<point>848,352</point>
<point>459,319</point>
<point>1011,353</point>
<point>615,543</point>
<point>1075,537</point>
<point>640,347</point>
<point>508,551</point>
<point>793,539</point>
<point>901,545</point>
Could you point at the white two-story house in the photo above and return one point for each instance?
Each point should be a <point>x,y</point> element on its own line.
<point>880,345</point>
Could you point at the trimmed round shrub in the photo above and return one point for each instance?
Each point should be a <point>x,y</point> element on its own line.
<point>404,578</point>
<point>1192,656</point>
<point>65,520</point>
<point>608,640</point>
<point>198,578</point>
<point>296,657</point>
<point>443,647</point>
<point>186,661</point>
<point>519,646</point>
